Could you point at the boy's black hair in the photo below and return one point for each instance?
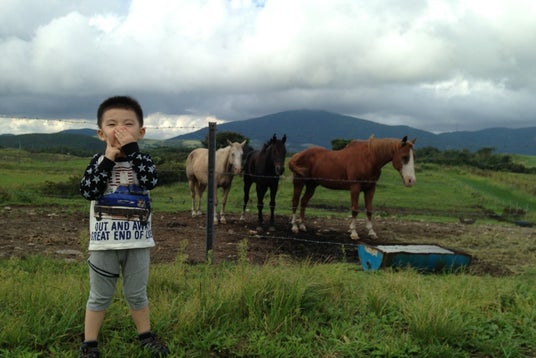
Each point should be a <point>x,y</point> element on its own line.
<point>124,102</point>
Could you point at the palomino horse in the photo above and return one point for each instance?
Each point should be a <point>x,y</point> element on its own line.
<point>357,168</point>
<point>263,167</point>
<point>228,162</point>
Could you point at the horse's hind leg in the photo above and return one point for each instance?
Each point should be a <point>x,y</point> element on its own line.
<point>298,187</point>
<point>200,188</point>
<point>309,191</point>
<point>223,203</point>
<point>354,198</point>
<point>261,192</point>
<point>368,206</point>
<point>273,192</point>
<point>247,186</point>
<point>193,191</point>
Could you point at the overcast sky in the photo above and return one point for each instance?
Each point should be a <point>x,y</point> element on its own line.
<point>440,66</point>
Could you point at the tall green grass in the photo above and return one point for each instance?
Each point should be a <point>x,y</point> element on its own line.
<point>281,309</point>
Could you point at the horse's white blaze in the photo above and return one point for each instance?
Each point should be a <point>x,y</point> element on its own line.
<point>236,159</point>
<point>408,171</point>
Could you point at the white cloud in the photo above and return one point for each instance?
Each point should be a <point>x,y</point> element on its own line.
<point>164,126</point>
<point>35,125</point>
<point>158,125</point>
<point>239,59</point>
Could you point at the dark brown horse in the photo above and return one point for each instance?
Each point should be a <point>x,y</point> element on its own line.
<point>263,167</point>
<point>356,168</point>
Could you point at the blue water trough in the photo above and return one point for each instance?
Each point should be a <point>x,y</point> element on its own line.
<point>424,258</point>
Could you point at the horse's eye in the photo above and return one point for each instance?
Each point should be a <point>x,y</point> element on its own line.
<point>405,159</point>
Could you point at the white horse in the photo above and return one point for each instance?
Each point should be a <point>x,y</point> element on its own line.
<point>228,162</point>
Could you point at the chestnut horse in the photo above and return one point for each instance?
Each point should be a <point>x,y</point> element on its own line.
<point>228,162</point>
<point>263,167</point>
<point>357,168</point>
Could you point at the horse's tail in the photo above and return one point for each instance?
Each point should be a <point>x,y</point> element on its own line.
<point>189,164</point>
<point>299,165</point>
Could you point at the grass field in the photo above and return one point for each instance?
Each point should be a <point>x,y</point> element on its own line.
<point>280,310</point>
<point>441,193</point>
<point>284,308</point>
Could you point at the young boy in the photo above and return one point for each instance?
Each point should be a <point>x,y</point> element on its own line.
<point>118,183</point>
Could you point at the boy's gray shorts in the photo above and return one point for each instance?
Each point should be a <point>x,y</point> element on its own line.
<point>106,266</point>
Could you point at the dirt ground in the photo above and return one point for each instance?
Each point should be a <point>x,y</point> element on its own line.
<point>55,232</point>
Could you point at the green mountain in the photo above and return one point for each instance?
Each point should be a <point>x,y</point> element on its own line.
<point>303,129</point>
<point>307,127</point>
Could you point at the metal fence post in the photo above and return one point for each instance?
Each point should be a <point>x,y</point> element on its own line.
<point>211,187</point>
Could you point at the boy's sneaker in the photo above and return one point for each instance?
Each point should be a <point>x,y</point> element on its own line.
<point>150,342</point>
<point>89,350</point>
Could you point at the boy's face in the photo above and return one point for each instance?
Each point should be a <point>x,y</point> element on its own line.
<point>119,127</point>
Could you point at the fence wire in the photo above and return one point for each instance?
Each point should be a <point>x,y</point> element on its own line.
<point>235,204</point>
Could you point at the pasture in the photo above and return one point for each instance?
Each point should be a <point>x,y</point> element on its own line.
<point>289,301</point>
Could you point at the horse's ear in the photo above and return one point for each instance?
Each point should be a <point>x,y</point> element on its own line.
<point>413,140</point>
<point>229,142</point>
<point>274,137</point>
<point>243,143</point>
<point>284,139</point>
<point>404,140</point>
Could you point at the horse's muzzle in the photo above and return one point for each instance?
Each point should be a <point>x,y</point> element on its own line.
<point>409,180</point>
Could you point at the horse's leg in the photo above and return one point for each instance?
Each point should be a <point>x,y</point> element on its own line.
<point>200,187</point>
<point>223,203</point>
<point>261,192</point>
<point>247,186</point>
<point>354,198</point>
<point>273,192</point>
<point>192,186</point>
<point>298,187</point>
<point>309,191</point>
<point>369,194</point>
<point>216,221</point>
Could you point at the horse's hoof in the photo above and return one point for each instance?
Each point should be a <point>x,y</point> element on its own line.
<point>223,221</point>
<point>354,235</point>
<point>295,229</point>
<point>259,229</point>
<point>303,228</point>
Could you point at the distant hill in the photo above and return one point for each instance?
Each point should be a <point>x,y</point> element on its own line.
<point>66,141</point>
<point>303,129</point>
<point>307,127</point>
<point>83,131</point>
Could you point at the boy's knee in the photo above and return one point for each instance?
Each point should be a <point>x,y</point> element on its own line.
<point>98,303</point>
<point>136,299</point>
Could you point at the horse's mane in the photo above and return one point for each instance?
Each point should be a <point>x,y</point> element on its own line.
<point>225,164</point>
<point>382,147</point>
<point>266,145</point>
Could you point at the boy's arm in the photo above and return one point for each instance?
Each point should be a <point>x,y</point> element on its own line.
<point>96,176</point>
<point>142,164</point>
